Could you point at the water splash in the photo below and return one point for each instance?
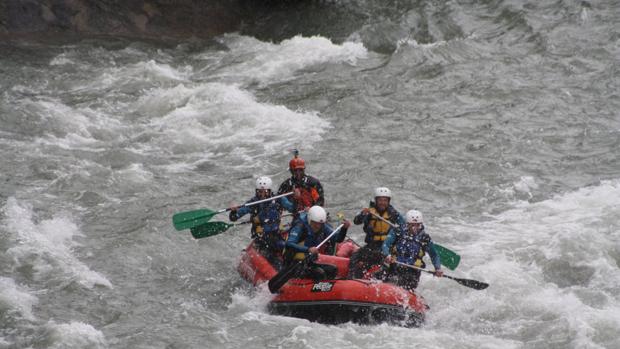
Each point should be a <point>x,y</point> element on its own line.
<point>16,298</point>
<point>47,246</point>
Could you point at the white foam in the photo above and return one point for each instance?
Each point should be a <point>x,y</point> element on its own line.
<point>584,15</point>
<point>156,71</point>
<point>72,127</point>
<point>527,255</point>
<point>521,189</point>
<point>177,115</point>
<point>265,62</point>
<point>58,116</point>
<point>16,298</point>
<point>526,184</point>
<point>438,51</point>
<point>47,245</point>
<point>61,59</point>
<point>214,115</point>
<point>161,101</point>
<point>76,335</point>
<point>145,72</point>
<point>255,302</point>
<point>134,173</point>
<point>301,333</point>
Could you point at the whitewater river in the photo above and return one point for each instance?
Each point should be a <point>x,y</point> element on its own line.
<point>499,120</point>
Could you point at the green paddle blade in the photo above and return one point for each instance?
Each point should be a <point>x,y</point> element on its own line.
<point>448,258</point>
<point>190,219</point>
<point>209,229</point>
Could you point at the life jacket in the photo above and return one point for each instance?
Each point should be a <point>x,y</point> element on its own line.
<point>307,238</point>
<point>376,229</point>
<point>310,192</point>
<point>410,249</point>
<point>265,218</point>
<point>308,196</point>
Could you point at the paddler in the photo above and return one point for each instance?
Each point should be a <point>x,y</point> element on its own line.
<point>377,229</point>
<point>265,218</point>
<point>307,232</point>
<point>309,191</point>
<point>409,247</point>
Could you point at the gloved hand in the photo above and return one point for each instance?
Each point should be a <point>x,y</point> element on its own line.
<point>346,224</point>
<point>232,216</point>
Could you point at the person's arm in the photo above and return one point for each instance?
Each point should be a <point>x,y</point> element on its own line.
<point>293,239</point>
<point>284,188</point>
<point>402,223</point>
<point>339,237</point>
<point>238,212</point>
<point>319,190</point>
<point>287,204</point>
<point>389,241</point>
<point>435,259</point>
<point>361,217</point>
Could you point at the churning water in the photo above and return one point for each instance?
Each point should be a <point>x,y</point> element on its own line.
<point>497,119</point>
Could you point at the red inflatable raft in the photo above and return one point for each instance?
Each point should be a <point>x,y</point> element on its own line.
<point>336,301</point>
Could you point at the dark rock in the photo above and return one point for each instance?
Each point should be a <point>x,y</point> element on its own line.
<point>145,18</point>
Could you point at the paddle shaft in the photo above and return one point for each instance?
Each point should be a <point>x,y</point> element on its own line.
<point>284,275</point>
<point>214,228</point>
<point>259,201</point>
<point>250,221</point>
<point>477,285</point>
<point>254,202</point>
<point>191,219</point>
<point>418,268</point>
<point>449,258</point>
<point>330,235</point>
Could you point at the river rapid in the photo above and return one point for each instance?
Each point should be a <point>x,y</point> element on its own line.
<point>497,119</point>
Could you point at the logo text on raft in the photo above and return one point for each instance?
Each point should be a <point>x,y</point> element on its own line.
<point>322,287</point>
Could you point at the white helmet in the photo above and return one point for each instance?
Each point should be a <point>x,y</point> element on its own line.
<point>317,214</point>
<point>414,216</point>
<point>263,183</point>
<point>383,192</point>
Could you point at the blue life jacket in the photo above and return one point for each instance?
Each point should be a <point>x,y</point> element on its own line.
<point>411,249</point>
<point>265,217</point>
<point>301,237</point>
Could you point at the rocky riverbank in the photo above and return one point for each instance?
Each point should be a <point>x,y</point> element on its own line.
<point>152,18</point>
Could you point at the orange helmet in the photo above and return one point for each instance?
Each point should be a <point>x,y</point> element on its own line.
<point>297,163</point>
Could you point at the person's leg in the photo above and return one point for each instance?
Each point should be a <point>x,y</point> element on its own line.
<point>384,272</point>
<point>314,272</point>
<point>272,251</point>
<point>362,260</point>
<point>355,265</point>
<point>273,258</point>
<point>374,257</point>
<point>319,272</point>
<point>330,271</point>
<point>408,278</point>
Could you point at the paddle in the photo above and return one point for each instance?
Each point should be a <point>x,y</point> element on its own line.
<point>214,228</point>
<point>476,285</point>
<point>211,228</point>
<point>448,258</point>
<point>284,275</point>
<point>190,219</point>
